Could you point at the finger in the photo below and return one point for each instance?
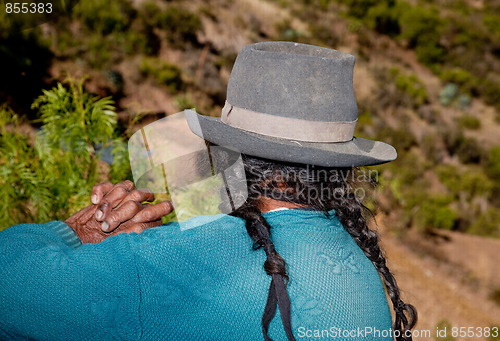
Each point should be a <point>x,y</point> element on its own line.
<point>139,195</point>
<point>139,227</point>
<point>81,215</point>
<point>98,191</point>
<point>86,214</point>
<point>113,199</point>
<point>153,212</point>
<point>120,215</point>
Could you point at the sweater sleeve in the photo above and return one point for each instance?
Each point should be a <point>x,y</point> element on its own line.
<point>52,287</point>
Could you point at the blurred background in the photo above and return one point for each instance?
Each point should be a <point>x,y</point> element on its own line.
<point>76,83</point>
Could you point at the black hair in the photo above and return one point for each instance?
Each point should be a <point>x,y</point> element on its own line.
<point>322,189</point>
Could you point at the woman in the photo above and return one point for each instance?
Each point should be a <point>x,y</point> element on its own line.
<point>291,112</point>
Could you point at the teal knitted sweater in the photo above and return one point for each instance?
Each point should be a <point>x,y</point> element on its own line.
<point>201,282</point>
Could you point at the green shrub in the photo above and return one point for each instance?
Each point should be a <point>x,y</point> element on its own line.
<point>442,325</point>
<point>493,163</point>
<point>469,122</point>
<point>494,332</point>
<point>420,25</point>
<point>383,18</point>
<point>400,138</point>
<point>466,181</point>
<point>164,73</point>
<point>359,8</point>
<point>105,17</point>
<point>22,182</point>
<point>410,85</point>
<point>458,76</point>
<point>180,24</point>
<point>150,13</point>
<point>467,149</point>
<point>183,102</point>
<point>487,224</point>
<point>435,212</point>
<point>54,177</point>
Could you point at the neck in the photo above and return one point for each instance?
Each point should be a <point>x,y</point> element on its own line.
<point>266,204</point>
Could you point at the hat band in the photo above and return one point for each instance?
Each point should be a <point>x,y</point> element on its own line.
<point>287,127</point>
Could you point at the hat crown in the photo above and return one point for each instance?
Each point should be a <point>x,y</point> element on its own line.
<point>294,80</point>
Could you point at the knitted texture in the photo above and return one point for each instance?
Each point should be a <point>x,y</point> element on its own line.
<point>204,282</point>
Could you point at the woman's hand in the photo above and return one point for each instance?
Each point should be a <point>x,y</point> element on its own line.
<point>116,209</point>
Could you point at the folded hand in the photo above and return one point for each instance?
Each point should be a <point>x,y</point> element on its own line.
<point>116,209</point>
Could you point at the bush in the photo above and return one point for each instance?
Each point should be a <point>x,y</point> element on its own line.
<point>487,224</point>
<point>493,163</point>
<point>383,18</point>
<point>434,212</point>
<point>181,25</point>
<point>467,149</point>
<point>400,138</point>
<point>458,76</point>
<point>420,26</point>
<point>410,86</point>
<point>445,324</point>
<point>164,73</point>
<point>54,177</point>
<point>469,122</point>
<point>105,17</point>
<point>21,181</point>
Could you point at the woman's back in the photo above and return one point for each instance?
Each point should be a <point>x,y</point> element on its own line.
<point>208,283</point>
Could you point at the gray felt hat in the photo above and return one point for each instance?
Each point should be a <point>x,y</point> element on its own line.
<point>295,103</point>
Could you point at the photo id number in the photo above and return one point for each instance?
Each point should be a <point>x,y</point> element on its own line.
<point>28,7</point>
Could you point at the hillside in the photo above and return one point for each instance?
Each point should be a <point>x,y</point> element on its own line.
<point>426,80</point>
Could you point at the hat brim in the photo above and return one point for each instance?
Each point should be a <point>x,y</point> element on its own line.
<point>353,153</point>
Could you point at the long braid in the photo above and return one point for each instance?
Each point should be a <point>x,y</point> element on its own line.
<point>351,217</point>
<point>275,266</point>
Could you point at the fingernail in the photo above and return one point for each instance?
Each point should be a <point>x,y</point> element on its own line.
<point>94,199</point>
<point>98,214</point>
<point>105,226</point>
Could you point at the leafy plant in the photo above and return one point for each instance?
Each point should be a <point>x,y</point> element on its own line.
<point>180,24</point>
<point>54,176</point>
<point>22,183</point>
<point>469,122</point>
<point>164,73</point>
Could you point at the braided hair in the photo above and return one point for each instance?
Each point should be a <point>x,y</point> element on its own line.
<point>322,189</point>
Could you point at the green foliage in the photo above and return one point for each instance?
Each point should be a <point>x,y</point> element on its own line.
<point>400,138</point>
<point>384,18</point>
<point>495,336</point>
<point>467,149</point>
<point>411,86</point>
<point>434,212</point>
<point>180,24</point>
<point>442,325</point>
<point>21,182</point>
<point>469,122</point>
<point>487,224</point>
<point>184,102</point>
<point>421,26</point>
<point>359,8</point>
<point>457,76</point>
<point>493,163</point>
<point>54,176</point>
<point>105,17</point>
<point>465,182</point>
<point>163,72</point>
